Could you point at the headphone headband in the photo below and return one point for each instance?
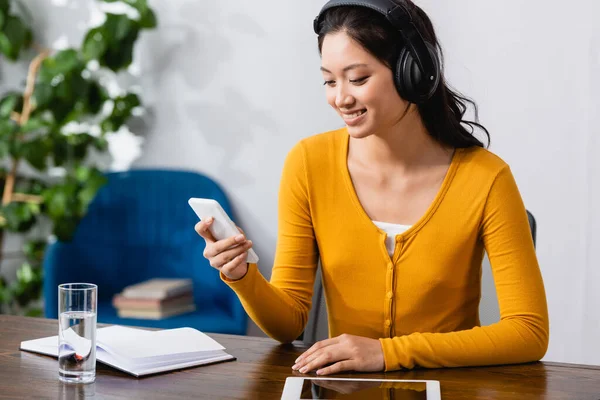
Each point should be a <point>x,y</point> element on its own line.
<point>397,14</point>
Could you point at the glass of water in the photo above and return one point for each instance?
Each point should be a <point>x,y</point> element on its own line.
<point>77,306</point>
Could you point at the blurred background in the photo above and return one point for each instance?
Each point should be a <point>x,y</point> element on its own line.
<point>225,89</point>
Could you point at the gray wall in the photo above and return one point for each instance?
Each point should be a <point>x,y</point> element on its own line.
<point>233,85</point>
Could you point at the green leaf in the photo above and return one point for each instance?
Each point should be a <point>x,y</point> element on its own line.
<point>28,38</point>
<point>8,127</point>
<point>34,250</point>
<point>9,104</point>
<point>96,97</point>
<point>8,134</point>
<point>72,88</point>
<point>83,173</point>
<point>108,125</point>
<point>2,18</point>
<point>79,87</point>
<point>60,149</point>
<point>64,91</point>
<point>65,112</point>
<point>36,153</point>
<point>42,95</point>
<point>117,26</point>
<point>95,44</point>
<point>28,285</point>
<point>18,216</point>
<point>79,146</point>
<point>16,33</point>
<point>60,200</point>
<point>35,187</point>
<point>66,61</point>
<point>64,228</point>
<point>4,148</point>
<point>4,6</point>
<point>90,188</point>
<point>9,131</point>
<point>148,19</point>
<point>6,47</point>
<point>34,208</point>
<point>5,294</point>
<point>55,70</point>
<point>58,205</point>
<point>121,112</point>
<point>101,144</point>
<point>56,201</point>
<point>120,54</point>
<point>124,104</point>
<point>25,273</point>
<point>34,124</point>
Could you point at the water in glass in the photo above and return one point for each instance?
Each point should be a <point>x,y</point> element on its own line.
<point>77,350</point>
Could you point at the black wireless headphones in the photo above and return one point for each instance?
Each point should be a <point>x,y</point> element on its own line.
<point>417,69</point>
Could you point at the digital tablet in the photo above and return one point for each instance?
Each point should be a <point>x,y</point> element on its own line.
<point>297,388</point>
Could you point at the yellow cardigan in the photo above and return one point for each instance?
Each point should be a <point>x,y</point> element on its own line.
<point>422,304</point>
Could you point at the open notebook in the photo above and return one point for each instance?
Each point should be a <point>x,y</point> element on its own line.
<point>140,352</point>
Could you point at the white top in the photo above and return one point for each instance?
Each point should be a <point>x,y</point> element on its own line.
<point>391,230</point>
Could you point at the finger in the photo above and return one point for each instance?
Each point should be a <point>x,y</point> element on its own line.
<point>331,349</point>
<point>315,347</point>
<point>221,246</point>
<point>346,365</point>
<point>230,268</point>
<point>232,241</point>
<point>241,230</point>
<point>202,228</point>
<point>328,355</point>
<point>228,255</point>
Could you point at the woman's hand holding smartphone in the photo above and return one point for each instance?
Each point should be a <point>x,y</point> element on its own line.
<point>228,255</point>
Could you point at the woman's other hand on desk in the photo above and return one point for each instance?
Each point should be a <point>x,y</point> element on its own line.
<point>343,353</point>
<point>228,255</point>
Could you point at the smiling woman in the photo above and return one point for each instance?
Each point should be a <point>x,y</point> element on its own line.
<point>399,207</point>
<point>348,34</point>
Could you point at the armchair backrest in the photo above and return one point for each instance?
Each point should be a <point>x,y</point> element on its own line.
<point>139,227</point>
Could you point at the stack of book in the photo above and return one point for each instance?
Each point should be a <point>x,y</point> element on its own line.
<point>155,299</point>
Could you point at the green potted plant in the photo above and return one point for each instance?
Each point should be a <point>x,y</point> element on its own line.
<point>62,115</point>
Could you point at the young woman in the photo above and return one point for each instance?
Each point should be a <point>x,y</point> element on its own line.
<point>399,207</point>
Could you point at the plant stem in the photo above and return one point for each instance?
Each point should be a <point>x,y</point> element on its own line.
<point>9,185</point>
<point>27,198</point>
<point>31,75</point>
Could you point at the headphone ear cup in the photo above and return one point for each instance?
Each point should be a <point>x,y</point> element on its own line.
<point>406,75</point>
<point>409,80</point>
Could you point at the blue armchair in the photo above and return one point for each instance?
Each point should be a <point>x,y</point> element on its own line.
<point>139,227</point>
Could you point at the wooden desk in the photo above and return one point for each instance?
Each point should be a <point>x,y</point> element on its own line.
<point>260,371</point>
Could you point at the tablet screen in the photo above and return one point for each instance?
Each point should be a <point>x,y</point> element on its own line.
<point>348,389</point>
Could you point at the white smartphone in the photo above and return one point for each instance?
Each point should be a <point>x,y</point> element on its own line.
<point>222,227</point>
<point>297,388</point>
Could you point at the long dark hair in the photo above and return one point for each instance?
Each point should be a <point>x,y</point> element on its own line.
<point>443,114</point>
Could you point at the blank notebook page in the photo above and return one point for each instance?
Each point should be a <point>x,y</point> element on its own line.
<point>134,343</point>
